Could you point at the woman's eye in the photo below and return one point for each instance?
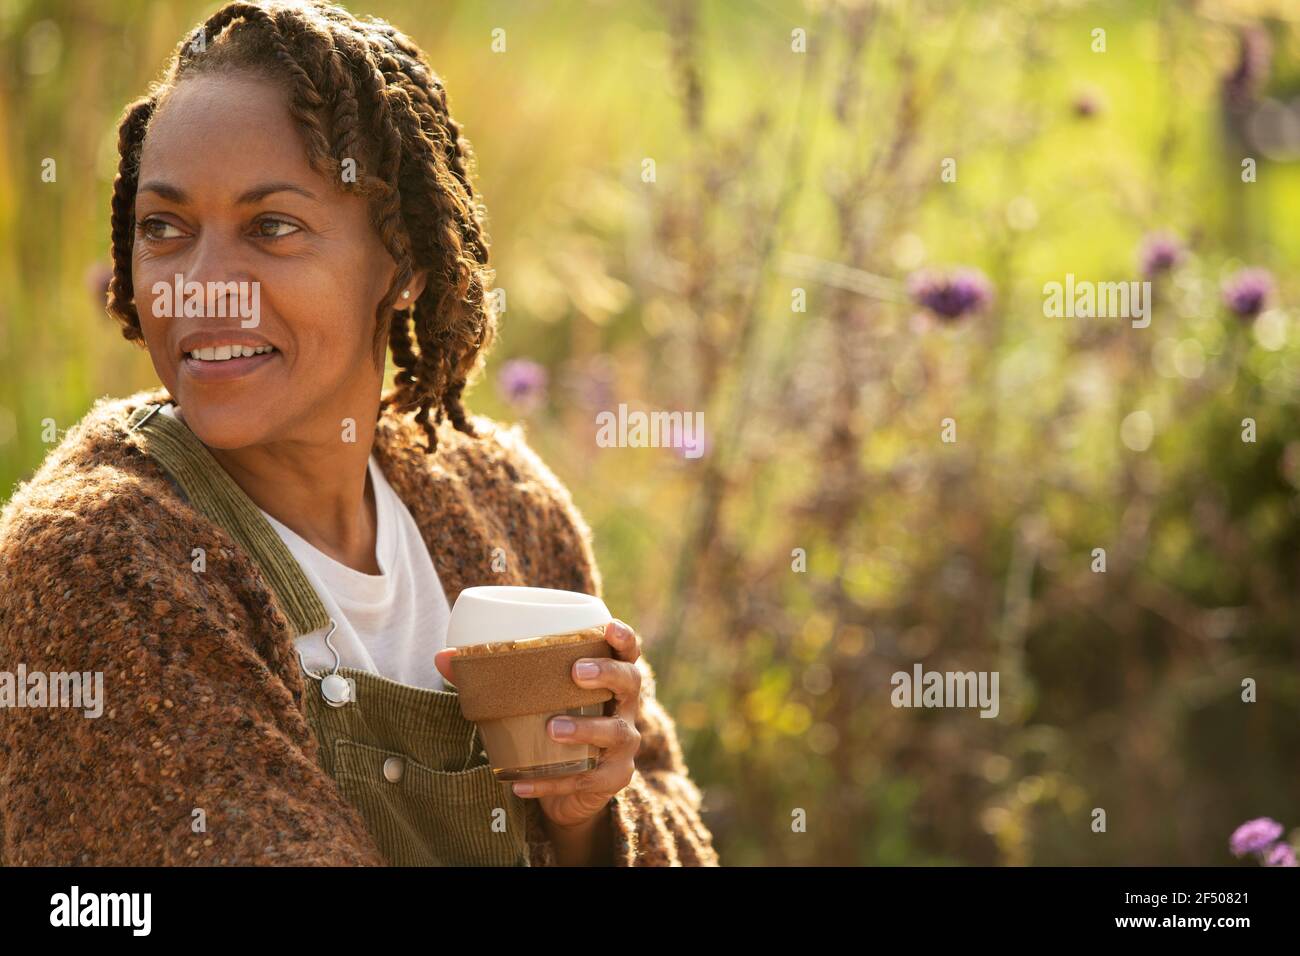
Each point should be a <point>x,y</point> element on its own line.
<point>274,228</point>
<point>156,229</point>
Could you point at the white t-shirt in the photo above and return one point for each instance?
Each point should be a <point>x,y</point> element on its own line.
<point>390,624</point>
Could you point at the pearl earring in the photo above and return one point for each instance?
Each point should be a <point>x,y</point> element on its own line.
<point>406,293</point>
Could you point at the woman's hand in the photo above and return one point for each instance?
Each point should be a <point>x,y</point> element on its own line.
<point>571,801</point>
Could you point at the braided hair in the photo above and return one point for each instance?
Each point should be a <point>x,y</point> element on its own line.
<point>359,90</point>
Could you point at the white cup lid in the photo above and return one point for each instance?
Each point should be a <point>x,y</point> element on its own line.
<point>496,613</point>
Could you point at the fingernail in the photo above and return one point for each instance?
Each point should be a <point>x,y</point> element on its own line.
<point>587,669</point>
<point>523,789</point>
<point>561,726</point>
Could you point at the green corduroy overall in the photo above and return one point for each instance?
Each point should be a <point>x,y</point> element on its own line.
<point>404,756</point>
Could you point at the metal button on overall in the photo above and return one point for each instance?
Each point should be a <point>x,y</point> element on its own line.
<point>393,767</point>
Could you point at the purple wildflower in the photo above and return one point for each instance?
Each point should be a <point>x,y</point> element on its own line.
<point>1281,855</point>
<point>1246,292</point>
<point>523,383</point>
<point>1254,59</point>
<point>1087,103</point>
<point>951,295</point>
<point>1254,836</point>
<point>1161,251</point>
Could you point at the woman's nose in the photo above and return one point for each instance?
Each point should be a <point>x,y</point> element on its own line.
<point>220,269</point>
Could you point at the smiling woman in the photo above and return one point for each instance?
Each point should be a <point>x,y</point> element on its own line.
<point>222,200</point>
<point>268,505</point>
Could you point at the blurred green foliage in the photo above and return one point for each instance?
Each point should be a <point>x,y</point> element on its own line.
<point>776,170</point>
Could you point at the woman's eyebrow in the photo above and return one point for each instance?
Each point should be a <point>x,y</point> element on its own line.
<point>257,193</point>
<point>166,191</point>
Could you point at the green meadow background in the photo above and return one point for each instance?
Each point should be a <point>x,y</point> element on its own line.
<point>661,179</point>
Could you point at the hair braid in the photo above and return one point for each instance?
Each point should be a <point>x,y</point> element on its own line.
<point>453,218</point>
<point>404,357</point>
<point>130,134</point>
<point>457,154</point>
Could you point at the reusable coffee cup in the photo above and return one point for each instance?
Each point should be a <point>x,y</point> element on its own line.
<point>514,672</point>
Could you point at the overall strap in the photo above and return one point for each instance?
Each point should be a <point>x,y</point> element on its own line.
<point>179,451</point>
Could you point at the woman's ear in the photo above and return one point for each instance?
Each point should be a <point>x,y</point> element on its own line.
<point>415,287</point>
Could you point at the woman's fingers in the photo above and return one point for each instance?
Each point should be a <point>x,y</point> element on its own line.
<point>612,733</point>
<point>622,677</point>
<point>625,641</point>
<point>442,661</point>
<point>609,777</point>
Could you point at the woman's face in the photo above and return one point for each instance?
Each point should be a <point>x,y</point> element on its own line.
<point>226,196</point>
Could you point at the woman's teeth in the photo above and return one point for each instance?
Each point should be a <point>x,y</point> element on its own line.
<point>220,353</point>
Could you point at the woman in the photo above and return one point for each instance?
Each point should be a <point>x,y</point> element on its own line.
<point>290,198</point>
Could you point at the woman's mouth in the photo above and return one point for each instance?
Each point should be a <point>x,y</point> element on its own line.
<point>224,362</point>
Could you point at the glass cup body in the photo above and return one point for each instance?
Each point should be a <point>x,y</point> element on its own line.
<point>520,748</point>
